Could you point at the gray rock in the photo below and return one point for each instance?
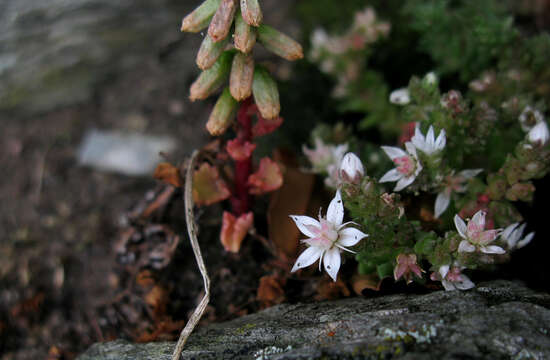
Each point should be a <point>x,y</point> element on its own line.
<point>496,320</point>
<point>55,52</point>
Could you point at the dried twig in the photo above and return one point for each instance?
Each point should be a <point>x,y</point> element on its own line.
<point>192,231</point>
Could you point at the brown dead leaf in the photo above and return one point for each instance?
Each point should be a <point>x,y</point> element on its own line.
<point>157,298</point>
<point>360,283</point>
<point>270,290</point>
<point>291,198</point>
<point>169,174</point>
<point>331,290</point>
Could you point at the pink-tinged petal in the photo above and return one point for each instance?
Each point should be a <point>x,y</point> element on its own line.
<point>393,152</point>
<point>392,175</point>
<point>267,178</point>
<point>460,226</point>
<point>492,249</point>
<point>403,183</point>
<point>486,237</point>
<point>308,257</point>
<point>476,224</point>
<point>465,246</point>
<point>526,240</point>
<point>465,284</point>
<point>442,202</point>
<point>305,224</point>
<point>444,270</point>
<point>335,211</point>
<point>469,173</point>
<point>400,270</point>
<point>350,236</point>
<point>416,269</point>
<point>234,230</point>
<point>332,262</point>
<point>449,286</point>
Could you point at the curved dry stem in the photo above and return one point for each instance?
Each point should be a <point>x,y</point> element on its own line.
<point>192,231</point>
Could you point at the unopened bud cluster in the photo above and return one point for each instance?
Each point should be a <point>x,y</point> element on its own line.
<point>234,27</point>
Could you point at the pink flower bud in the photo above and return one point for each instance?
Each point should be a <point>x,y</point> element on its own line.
<point>539,134</point>
<point>351,169</point>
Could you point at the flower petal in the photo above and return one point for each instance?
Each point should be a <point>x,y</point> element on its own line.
<point>526,240</point>
<point>508,231</point>
<point>392,175</point>
<point>441,140</point>
<point>443,270</point>
<point>449,286</point>
<point>404,182</point>
<point>465,246</point>
<point>304,223</point>
<point>430,137</point>
<point>469,173</point>
<point>476,224</point>
<point>350,236</point>
<point>335,211</point>
<point>460,226</point>
<point>441,203</point>
<point>411,149</point>
<point>486,237</point>
<point>393,152</point>
<point>332,262</point>
<point>308,257</point>
<point>465,284</point>
<point>492,249</point>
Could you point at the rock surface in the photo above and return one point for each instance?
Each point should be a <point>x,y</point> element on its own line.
<point>496,320</point>
<point>55,52</point>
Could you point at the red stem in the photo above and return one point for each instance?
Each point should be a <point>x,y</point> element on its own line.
<point>240,201</point>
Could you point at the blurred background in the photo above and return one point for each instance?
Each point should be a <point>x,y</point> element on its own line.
<point>90,92</point>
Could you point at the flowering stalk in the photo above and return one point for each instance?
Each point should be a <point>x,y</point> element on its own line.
<point>240,200</point>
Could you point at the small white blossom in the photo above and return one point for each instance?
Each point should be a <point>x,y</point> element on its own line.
<point>512,235</point>
<point>451,278</point>
<point>429,144</point>
<point>326,238</point>
<point>351,168</point>
<point>529,118</point>
<point>475,236</point>
<point>452,183</point>
<point>431,78</point>
<point>400,96</point>
<point>407,166</point>
<point>323,155</point>
<point>539,134</point>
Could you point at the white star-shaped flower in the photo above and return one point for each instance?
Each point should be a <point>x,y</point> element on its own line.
<point>326,238</point>
<point>429,144</point>
<point>324,155</point>
<point>475,236</point>
<point>407,166</point>
<point>452,183</point>
<point>452,278</point>
<point>512,235</point>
